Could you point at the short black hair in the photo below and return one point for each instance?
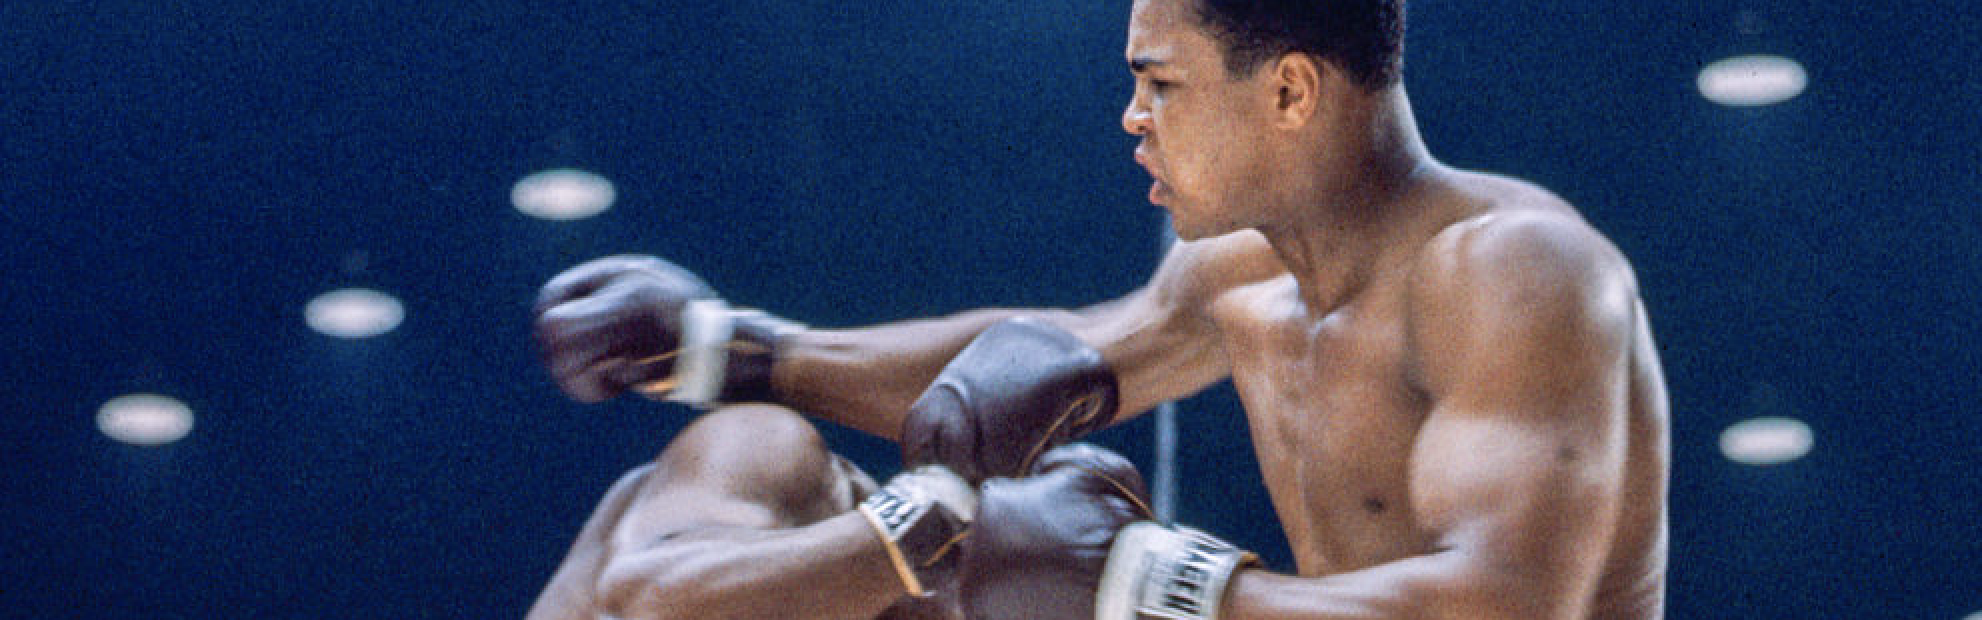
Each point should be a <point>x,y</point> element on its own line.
<point>1363,37</point>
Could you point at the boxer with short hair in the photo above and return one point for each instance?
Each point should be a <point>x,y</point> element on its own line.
<point>1454,394</point>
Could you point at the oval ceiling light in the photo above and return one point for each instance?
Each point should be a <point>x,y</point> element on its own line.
<point>563,194</point>
<point>354,313</point>
<point>1766,441</point>
<point>145,419</point>
<point>1752,80</point>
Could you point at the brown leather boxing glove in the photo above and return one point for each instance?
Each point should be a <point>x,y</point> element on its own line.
<point>1038,546</point>
<point>639,322</point>
<point>1073,543</point>
<point>1021,387</point>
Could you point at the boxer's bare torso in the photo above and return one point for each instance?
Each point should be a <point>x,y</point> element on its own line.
<point>1336,391</point>
<point>1462,415</point>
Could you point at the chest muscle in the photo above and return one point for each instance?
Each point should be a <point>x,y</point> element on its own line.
<point>1333,419</point>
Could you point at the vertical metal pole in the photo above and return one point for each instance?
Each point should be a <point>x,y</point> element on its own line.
<point>1163,486</point>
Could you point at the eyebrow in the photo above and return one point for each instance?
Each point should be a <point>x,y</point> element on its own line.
<point>1140,64</point>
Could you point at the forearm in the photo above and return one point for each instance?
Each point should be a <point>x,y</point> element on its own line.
<point>833,569</point>
<point>866,378</point>
<point>1438,585</point>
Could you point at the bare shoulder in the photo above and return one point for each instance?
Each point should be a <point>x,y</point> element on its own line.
<point>750,467</point>
<point>1524,270</point>
<point>1523,240</point>
<point>1196,272</point>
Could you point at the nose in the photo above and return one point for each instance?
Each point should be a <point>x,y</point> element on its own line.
<point>1135,118</point>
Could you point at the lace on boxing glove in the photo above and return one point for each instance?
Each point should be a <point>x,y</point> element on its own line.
<point>921,515</point>
<point>725,355</point>
<point>1020,388</point>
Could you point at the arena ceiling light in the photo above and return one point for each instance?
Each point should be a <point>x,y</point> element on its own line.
<point>563,194</point>
<point>1752,80</point>
<point>354,313</point>
<point>145,419</point>
<point>1766,441</point>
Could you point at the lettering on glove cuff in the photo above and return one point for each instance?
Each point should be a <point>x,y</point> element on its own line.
<point>1156,571</point>
<point>918,525</point>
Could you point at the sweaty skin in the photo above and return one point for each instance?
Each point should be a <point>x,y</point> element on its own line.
<point>744,515</point>
<point>1452,387</point>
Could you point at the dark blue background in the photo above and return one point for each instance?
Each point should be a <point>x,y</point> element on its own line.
<point>179,178</point>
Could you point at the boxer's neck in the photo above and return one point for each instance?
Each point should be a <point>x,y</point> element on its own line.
<point>1352,201</point>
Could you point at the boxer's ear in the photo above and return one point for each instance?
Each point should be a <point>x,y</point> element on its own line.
<point>1297,81</point>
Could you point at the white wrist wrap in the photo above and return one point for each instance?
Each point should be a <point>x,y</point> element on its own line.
<point>920,516</point>
<point>706,327</point>
<point>1156,571</point>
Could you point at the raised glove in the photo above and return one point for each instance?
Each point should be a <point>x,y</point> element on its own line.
<point>1021,387</point>
<point>1073,543</point>
<point>1039,545</point>
<point>643,323</point>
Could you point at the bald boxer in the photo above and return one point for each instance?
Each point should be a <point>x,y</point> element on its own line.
<point>1452,386</point>
<point>745,514</point>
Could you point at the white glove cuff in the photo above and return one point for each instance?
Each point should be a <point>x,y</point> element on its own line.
<point>1156,571</point>
<point>706,327</point>
<point>942,486</point>
<point>920,516</point>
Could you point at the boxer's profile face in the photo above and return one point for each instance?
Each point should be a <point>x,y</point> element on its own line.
<point>1202,127</point>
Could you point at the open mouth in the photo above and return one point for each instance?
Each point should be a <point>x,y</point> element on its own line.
<point>1157,188</point>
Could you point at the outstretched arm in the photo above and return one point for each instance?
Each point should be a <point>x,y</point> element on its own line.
<point>641,323</point>
<point>832,569</point>
<point>1523,330</point>
<point>1158,340</point>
